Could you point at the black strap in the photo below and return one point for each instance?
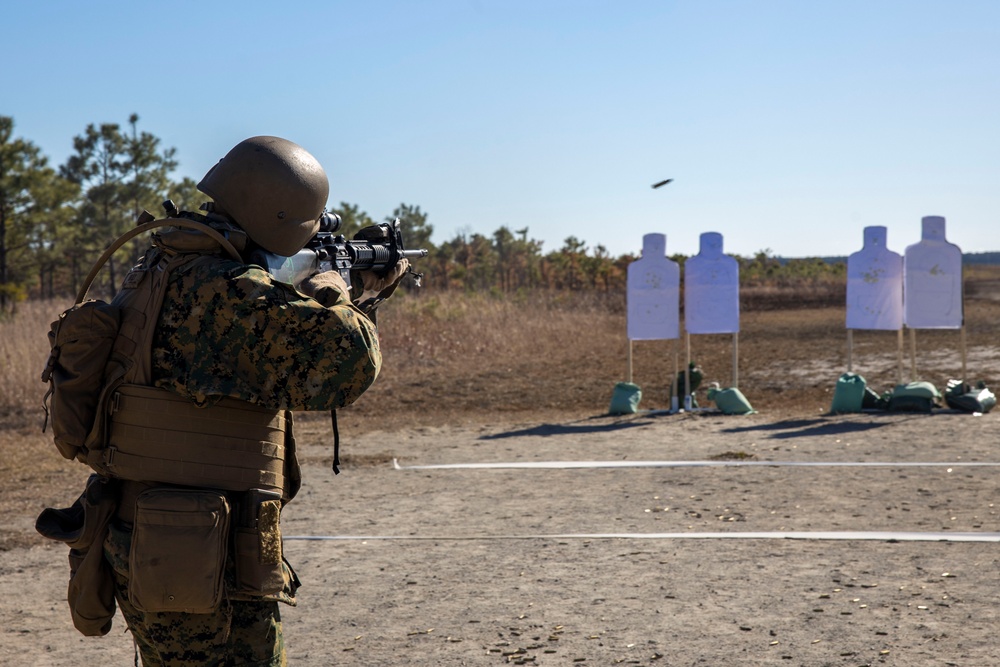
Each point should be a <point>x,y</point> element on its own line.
<point>336,443</point>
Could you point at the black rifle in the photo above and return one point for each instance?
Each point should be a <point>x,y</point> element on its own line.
<point>327,251</point>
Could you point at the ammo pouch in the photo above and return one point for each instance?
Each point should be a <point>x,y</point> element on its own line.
<point>257,556</point>
<point>178,553</point>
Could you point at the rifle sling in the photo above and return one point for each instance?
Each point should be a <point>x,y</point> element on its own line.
<point>336,443</point>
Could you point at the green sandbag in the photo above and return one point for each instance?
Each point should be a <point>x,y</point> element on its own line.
<point>920,389</point>
<point>730,401</point>
<point>914,397</point>
<point>960,396</point>
<point>849,394</point>
<point>625,399</point>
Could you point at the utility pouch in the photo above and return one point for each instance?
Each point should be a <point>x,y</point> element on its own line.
<point>178,552</point>
<point>81,340</point>
<point>257,543</point>
<point>83,527</point>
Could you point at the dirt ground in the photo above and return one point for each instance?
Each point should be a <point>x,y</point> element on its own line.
<point>603,565</point>
<point>498,566</point>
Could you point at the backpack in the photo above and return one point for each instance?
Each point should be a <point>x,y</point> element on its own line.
<point>83,363</point>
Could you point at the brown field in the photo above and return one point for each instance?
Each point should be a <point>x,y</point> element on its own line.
<point>464,360</point>
<point>498,566</point>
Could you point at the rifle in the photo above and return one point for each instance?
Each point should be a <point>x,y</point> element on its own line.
<point>379,250</point>
<point>326,251</point>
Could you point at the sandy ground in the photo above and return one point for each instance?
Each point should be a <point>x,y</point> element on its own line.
<point>510,566</point>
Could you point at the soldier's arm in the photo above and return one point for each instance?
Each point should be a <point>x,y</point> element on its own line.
<point>241,334</point>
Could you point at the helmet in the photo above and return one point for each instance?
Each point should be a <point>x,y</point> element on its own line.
<point>274,189</point>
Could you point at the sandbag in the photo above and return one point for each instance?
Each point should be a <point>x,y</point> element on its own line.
<point>960,396</point>
<point>849,394</point>
<point>914,397</point>
<point>730,401</point>
<point>625,399</point>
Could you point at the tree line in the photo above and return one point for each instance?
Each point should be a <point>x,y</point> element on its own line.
<point>56,220</point>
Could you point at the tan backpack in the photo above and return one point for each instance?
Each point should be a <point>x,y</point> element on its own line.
<point>82,362</point>
<point>82,366</point>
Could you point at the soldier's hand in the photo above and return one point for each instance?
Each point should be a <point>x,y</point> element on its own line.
<point>326,279</point>
<point>375,283</point>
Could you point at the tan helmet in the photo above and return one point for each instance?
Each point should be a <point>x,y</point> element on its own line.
<point>274,189</point>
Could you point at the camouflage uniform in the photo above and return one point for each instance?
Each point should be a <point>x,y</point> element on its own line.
<point>242,632</point>
<point>229,330</point>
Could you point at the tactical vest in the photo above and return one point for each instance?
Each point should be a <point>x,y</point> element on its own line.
<point>146,434</point>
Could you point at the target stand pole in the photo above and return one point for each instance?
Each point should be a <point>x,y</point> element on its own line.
<point>964,354</point>
<point>630,360</point>
<point>850,350</point>
<point>899,356</point>
<point>913,355</point>
<point>687,372</point>
<point>736,359</point>
<point>674,403</point>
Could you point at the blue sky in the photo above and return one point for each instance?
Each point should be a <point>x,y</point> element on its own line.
<point>787,125</point>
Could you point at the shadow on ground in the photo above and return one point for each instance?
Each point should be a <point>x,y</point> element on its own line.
<point>595,424</point>
<point>798,428</point>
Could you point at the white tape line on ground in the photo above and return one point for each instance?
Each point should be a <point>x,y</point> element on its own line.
<point>870,536</point>
<point>566,465</point>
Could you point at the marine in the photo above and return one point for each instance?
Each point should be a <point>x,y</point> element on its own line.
<point>192,440</point>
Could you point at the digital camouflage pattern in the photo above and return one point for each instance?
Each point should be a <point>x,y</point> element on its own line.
<point>245,633</point>
<point>227,329</point>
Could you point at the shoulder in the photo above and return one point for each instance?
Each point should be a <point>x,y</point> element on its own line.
<point>221,273</point>
<point>215,282</point>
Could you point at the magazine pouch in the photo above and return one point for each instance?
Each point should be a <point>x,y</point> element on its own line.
<point>178,552</point>
<point>257,544</point>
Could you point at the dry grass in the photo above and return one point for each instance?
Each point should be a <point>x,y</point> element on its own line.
<point>472,359</point>
<point>482,360</point>
<point>24,348</point>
